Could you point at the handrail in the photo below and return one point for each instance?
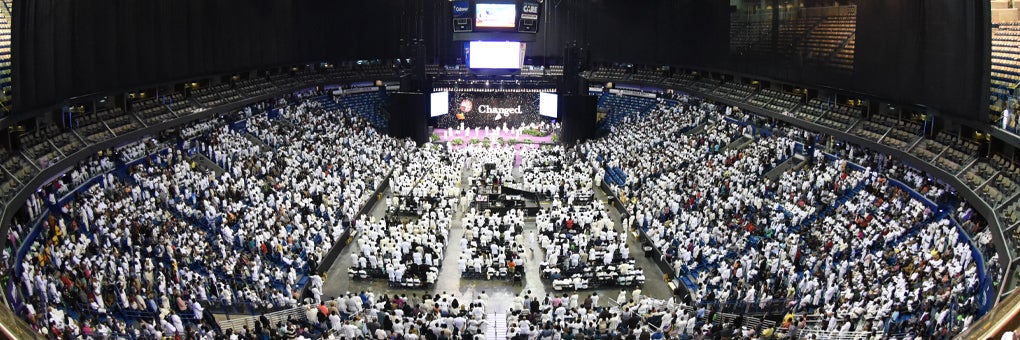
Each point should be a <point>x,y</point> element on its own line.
<point>1003,318</point>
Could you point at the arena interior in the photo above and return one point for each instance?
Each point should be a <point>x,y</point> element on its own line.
<point>510,169</point>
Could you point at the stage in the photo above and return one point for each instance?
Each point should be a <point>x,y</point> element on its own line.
<point>447,135</point>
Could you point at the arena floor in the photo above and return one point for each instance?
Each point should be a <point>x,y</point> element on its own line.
<point>500,292</point>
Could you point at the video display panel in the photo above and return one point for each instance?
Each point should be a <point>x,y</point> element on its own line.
<point>495,54</point>
<point>495,15</point>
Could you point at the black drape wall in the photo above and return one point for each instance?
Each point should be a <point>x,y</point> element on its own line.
<point>66,48</point>
<point>638,31</point>
<point>930,52</point>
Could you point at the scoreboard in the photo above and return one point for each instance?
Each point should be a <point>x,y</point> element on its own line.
<point>483,19</point>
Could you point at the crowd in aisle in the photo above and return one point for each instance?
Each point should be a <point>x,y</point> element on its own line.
<point>493,245</point>
<point>408,249</point>
<point>583,249</point>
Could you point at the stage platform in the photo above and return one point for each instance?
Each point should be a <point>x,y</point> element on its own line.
<point>447,135</point>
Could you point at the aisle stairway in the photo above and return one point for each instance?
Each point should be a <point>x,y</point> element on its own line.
<point>792,163</point>
<point>740,143</point>
<point>497,326</point>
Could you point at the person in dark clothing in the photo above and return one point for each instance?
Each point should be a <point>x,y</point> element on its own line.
<point>265,322</point>
<point>645,334</point>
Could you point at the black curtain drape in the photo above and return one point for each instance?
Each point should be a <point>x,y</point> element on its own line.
<point>931,52</point>
<point>67,48</point>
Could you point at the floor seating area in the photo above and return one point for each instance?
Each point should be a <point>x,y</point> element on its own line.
<point>47,143</point>
<point>582,249</point>
<point>223,259</point>
<point>995,179</point>
<point>995,184</point>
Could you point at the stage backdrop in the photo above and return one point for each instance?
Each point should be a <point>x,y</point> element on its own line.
<point>484,109</point>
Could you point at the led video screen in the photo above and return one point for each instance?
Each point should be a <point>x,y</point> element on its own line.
<point>548,105</point>
<point>439,104</point>
<point>495,15</point>
<point>495,54</point>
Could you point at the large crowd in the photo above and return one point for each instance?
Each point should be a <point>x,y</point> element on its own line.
<point>408,251</point>
<point>493,245</point>
<point>175,236</point>
<point>583,249</point>
<point>827,237</point>
<point>241,218</point>
<point>398,316</point>
<point>557,172</point>
<point>628,315</point>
